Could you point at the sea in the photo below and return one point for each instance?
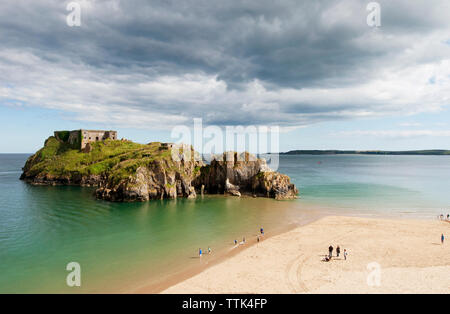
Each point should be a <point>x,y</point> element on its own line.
<point>133,247</point>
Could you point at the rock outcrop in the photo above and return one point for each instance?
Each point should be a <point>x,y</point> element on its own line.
<point>127,171</point>
<point>231,189</point>
<point>236,174</point>
<point>91,180</point>
<point>160,179</point>
<point>275,185</point>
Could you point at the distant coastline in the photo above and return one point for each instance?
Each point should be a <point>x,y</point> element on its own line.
<point>434,152</point>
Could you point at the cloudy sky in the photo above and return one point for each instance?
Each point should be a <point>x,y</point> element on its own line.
<point>314,68</point>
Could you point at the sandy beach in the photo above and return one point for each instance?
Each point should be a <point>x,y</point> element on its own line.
<point>384,256</point>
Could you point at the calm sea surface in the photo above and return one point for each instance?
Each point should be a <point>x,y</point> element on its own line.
<point>122,246</point>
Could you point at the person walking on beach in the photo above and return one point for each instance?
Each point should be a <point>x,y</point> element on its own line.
<point>235,242</point>
<point>442,238</point>
<point>345,254</point>
<point>338,251</point>
<point>209,250</point>
<point>262,230</point>
<point>330,251</point>
<point>200,252</point>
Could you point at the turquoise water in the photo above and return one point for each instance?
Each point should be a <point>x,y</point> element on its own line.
<point>416,186</point>
<point>124,246</point>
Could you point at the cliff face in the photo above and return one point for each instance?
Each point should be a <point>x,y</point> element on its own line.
<point>158,180</point>
<point>237,174</point>
<point>126,171</point>
<point>275,185</point>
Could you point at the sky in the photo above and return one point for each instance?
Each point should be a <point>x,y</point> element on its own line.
<point>315,69</point>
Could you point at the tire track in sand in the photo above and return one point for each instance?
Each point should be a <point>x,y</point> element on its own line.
<point>293,269</point>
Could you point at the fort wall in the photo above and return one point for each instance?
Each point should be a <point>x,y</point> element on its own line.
<point>80,138</point>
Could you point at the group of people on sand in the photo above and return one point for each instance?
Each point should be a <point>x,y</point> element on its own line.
<point>261,230</point>
<point>328,257</point>
<point>200,252</point>
<point>258,238</point>
<point>240,243</point>
<point>442,217</point>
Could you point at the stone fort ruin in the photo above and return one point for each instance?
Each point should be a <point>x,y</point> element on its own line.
<point>80,138</point>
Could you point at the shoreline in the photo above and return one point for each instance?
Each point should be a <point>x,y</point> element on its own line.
<point>291,261</point>
<point>216,258</point>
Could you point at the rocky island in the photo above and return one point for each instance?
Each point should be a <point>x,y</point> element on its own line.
<point>126,171</point>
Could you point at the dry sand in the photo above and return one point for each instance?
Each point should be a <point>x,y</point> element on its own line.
<point>409,253</point>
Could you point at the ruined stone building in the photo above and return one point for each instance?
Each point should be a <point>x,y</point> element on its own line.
<point>80,138</point>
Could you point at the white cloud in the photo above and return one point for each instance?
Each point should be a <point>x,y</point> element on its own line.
<point>139,100</point>
<point>288,63</point>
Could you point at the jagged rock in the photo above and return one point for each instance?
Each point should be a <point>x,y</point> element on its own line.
<point>231,189</point>
<point>50,179</point>
<point>275,185</point>
<point>159,180</point>
<point>235,174</point>
<point>192,193</point>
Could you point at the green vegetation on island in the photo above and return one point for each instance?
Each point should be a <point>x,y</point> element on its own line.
<point>119,158</point>
<point>126,171</point>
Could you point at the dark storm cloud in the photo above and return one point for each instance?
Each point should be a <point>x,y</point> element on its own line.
<point>284,62</point>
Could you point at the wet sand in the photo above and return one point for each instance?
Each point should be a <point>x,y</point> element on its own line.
<point>384,256</point>
<point>210,260</point>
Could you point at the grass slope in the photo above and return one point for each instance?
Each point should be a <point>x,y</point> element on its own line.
<point>120,158</point>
